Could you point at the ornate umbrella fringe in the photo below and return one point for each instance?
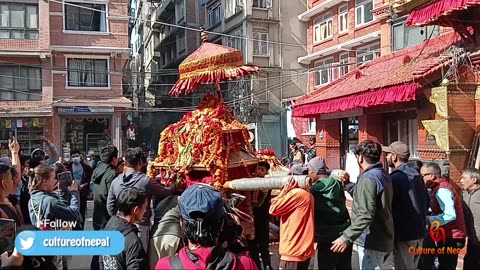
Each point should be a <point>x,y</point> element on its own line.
<point>188,85</point>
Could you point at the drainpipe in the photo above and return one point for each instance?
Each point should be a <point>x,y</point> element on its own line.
<point>282,115</point>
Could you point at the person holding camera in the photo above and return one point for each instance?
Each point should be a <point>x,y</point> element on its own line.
<point>45,204</point>
<point>203,217</point>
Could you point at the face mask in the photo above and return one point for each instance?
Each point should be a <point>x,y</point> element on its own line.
<point>76,160</point>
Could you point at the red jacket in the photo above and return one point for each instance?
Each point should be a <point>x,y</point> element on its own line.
<point>204,256</point>
<point>455,229</point>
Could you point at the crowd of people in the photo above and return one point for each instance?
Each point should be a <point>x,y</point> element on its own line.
<point>397,210</point>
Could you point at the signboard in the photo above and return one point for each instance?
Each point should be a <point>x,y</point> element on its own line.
<point>79,110</point>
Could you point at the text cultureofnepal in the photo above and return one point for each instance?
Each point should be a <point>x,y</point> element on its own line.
<point>72,242</point>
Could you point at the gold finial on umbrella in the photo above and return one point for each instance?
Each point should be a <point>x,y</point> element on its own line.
<point>203,35</point>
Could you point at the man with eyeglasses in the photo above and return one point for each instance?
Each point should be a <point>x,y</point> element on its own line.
<point>447,212</point>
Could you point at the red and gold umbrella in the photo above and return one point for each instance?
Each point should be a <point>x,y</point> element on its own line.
<point>211,63</point>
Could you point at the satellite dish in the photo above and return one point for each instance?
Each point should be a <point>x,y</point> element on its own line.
<point>252,136</point>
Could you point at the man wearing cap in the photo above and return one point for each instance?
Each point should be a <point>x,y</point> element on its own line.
<point>39,155</point>
<point>331,216</point>
<point>409,205</point>
<point>294,206</point>
<point>203,216</point>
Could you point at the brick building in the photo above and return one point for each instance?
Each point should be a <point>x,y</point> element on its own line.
<point>62,63</point>
<point>413,92</point>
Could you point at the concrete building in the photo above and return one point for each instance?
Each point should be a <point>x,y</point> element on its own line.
<point>414,92</point>
<point>159,48</point>
<point>272,38</point>
<point>62,72</point>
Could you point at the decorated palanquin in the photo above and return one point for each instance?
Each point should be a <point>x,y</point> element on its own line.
<point>208,145</point>
<point>206,142</point>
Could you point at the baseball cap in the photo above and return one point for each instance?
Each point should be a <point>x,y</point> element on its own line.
<point>318,165</point>
<point>37,153</point>
<point>201,200</point>
<point>398,148</point>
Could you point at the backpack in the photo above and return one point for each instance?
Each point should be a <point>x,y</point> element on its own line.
<point>176,263</point>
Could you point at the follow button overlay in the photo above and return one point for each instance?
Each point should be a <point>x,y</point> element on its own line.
<point>69,243</point>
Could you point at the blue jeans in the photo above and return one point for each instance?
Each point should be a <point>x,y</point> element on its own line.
<point>96,263</point>
<point>369,259</point>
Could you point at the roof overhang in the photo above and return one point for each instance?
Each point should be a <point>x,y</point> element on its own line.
<point>27,112</point>
<point>120,102</point>
<point>41,55</point>
<point>91,49</point>
<point>317,9</point>
<point>307,59</point>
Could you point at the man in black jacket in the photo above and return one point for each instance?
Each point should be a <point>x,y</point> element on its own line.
<point>103,176</point>
<point>132,204</point>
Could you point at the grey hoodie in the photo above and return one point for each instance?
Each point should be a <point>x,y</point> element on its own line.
<point>141,181</point>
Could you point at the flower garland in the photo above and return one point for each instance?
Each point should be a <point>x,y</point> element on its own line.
<point>269,156</point>
<point>204,137</point>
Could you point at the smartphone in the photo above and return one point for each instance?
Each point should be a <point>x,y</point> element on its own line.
<point>10,136</point>
<point>65,180</point>
<point>7,235</point>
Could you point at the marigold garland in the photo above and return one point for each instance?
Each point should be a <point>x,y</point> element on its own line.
<point>269,156</point>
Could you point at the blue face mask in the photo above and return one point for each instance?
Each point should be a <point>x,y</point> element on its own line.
<point>76,160</point>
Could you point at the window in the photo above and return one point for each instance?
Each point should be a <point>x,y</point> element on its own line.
<point>363,11</point>
<point>24,82</point>
<point>234,42</point>
<point>322,28</point>
<point>181,47</point>
<point>91,18</point>
<point>215,14</point>
<point>343,62</point>
<point>323,72</point>
<point>262,89</point>
<point>367,54</point>
<point>262,3</point>
<point>404,36</point>
<point>18,21</point>
<point>260,43</point>
<point>404,130</point>
<point>180,11</point>
<point>87,72</point>
<point>232,7</point>
<point>312,125</point>
<point>343,19</point>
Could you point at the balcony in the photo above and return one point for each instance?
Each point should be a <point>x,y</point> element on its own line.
<point>405,6</point>
<point>307,59</point>
<point>163,12</point>
<point>317,9</point>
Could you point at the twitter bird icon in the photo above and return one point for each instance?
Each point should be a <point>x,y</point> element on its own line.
<point>25,241</point>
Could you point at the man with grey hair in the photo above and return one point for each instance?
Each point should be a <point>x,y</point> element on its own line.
<point>447,214</point>
<point>409,205</point>
<point>471,196</point>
